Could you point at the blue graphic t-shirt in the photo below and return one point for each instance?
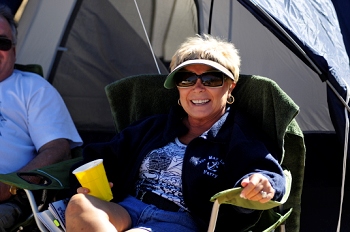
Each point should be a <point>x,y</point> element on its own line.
<point>161,170</point>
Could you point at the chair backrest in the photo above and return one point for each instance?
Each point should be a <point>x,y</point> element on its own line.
<point>136,97</point>
<point>34,68</point>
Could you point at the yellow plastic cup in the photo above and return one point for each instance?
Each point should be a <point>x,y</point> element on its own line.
<point>92,175</point>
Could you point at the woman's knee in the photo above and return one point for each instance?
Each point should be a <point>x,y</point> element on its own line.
<point>77,204</point>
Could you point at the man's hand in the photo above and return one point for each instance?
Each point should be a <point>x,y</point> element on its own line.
<point>4,192</point>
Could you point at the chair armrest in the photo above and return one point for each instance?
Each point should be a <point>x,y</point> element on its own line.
<point>56,176</point>
<point>232,196</point>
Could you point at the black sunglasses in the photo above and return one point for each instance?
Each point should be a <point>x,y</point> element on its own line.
<point>211,79</point>
<point>5,44</point>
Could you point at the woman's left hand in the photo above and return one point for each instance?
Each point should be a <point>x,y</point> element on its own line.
<point>257,188</point>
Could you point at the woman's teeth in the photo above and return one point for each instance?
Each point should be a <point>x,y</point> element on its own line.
<point>199,101</point>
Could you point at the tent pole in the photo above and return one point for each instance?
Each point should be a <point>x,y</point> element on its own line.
<point>287,36</point>
<point>345,155</point>
<point>210,16</point>
<point>149,43</point>
<point>346,139</point>
<point>339,97</point>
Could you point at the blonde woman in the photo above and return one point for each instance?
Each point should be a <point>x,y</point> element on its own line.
<point>166,167</point>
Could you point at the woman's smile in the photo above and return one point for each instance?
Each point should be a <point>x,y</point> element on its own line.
<point>200,102</point>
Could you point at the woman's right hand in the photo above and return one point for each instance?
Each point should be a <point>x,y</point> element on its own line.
<point>86,190</point>
<point>83,190</point>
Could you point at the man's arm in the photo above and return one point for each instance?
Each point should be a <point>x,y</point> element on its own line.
<point>52,152</point>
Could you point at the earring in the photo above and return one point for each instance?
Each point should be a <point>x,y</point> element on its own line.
<point>230,99</point>
<point>178,102</point>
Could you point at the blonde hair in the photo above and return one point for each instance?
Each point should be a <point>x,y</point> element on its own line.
<point>209,48</point>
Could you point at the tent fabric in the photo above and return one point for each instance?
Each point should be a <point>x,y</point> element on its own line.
<point>342,9</point>
<point>97,55</point>
<point>314,26</point>
<point>264,54</point>
<point>119,31</point>
<point>110,27</point>
<point>321,40</point>
<point>111,47</point>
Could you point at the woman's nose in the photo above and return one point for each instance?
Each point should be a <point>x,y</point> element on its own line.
<point>199,84</point>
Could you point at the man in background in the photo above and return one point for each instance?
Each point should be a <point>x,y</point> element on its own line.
<point>36,128</point>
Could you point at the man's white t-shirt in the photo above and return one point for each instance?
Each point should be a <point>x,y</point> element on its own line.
<point>32,113</point>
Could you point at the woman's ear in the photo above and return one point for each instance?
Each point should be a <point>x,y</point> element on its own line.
<point>232,86</point>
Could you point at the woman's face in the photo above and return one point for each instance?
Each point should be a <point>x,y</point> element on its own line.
<point>202,103</point>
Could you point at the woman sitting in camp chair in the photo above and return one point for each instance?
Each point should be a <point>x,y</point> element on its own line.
<point>165,168</point>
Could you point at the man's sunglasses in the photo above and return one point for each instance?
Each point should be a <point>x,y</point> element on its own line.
<point>5,44</point>
<point>211,79</point>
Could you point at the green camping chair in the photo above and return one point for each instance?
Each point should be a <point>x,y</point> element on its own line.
<point>34,68</point>
<point>54,178</point>
<point>135,97</point>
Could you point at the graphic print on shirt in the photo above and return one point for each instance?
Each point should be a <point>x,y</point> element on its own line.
<point>211,165</point>
<point>2,119</point>
<point>161,170</point>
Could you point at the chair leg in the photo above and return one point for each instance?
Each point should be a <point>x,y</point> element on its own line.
<point>283,228</point>
<point>35,210</point>
<point>214,216</point>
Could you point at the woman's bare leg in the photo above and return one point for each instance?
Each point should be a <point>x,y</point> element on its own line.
<point>87,213</point>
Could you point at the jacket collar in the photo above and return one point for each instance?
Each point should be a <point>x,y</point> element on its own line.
<point>175,127</point>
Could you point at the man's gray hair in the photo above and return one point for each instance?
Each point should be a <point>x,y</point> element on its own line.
<point>6,12</point>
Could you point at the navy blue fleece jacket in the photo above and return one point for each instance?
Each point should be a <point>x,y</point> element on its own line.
<point>219,159</point>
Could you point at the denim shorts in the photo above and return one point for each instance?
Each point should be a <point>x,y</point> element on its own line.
<point>151,218</point>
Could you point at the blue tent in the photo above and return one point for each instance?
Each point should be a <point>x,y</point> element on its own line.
<point>318,32</point>
<point>319,43</point>
<point>342,8</point>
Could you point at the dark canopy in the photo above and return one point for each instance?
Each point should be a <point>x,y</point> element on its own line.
<point>13,4</point>
<point>317,32</point>
<point>320,43</point>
